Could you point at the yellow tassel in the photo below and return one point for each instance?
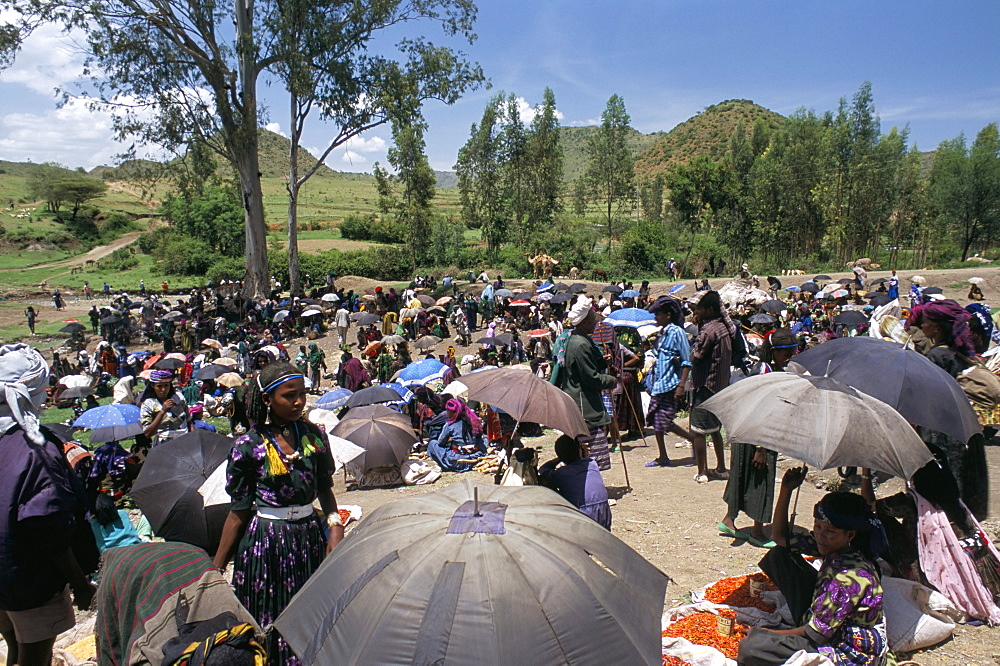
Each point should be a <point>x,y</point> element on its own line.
<point>275,465</point>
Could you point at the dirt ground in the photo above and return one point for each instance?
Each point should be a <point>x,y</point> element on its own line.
<point>665,515</point>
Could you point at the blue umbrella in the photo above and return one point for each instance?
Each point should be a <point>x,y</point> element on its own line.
<point>405,394</point>
<point>422,372</point>
<point>107,416</point>
<point>548,286</point>
<point>630,293</point>
<point>632,317</point>
<point>677,288</point>
<point>333,399</point>
<point>115,433</point>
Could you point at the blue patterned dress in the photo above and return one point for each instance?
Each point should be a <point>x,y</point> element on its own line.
<point>276,557</point>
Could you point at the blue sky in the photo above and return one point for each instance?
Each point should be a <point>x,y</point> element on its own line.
<point>932,64</point>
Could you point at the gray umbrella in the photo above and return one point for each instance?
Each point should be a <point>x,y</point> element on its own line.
<point>902,378</point>
<point>384,434</point>
<point>371,396</point>
<point>773,306</point>
<point>762,318</point>
<point>503,293</point>
<point>819,421</point>
<point>524,579</point>
<point>426,342</point>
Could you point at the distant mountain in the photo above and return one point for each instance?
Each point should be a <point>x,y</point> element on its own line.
<point>273,152</point>
<point>126,170</point>
<point>446,180</point>
<point>706,133</point>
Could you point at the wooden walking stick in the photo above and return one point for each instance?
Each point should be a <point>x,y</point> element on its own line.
<point>635,415</point>
<point>617,437</point>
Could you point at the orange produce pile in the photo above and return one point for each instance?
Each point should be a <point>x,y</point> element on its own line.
<point>345,515</point>
<point>701,628</point>
<point>735,591</point>
<point>674,661</point>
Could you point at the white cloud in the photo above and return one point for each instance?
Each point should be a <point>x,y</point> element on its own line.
<point>351,157</point>
<point>584,123</point>
<point>72,135</point>
<point>276,128</point>
<point>528,112</point>
<point>359,144</point>
<point>48,59</point>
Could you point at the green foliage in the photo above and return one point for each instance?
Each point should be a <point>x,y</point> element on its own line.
<point>57,186</point>
<point>611,172</point>
<point>213,216</point>
<point>121,260</point>
<point>371,228</point>
<point>447,241</point>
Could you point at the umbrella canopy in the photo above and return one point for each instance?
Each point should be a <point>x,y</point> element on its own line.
<point>822,277</point>
<point>976,280</point>
<point>576,288</point>
<point>76,381</point>
<point>421,373</point>
<point>519,576</point>
<point>819,421</point>
<point>560,286</point>
<point>226,361</point>
<point>811,287</point>
<point>168,364</point>
<point>311,312</point>
<point>444,300</point>
<point>519,304</point>
<point>879,281</point>
<point>850,318</point>
<point>229,380</point>
<point>545,297</point>
<point>839,293</point>
<point>845,281</point>
<point>793,288</point>
<point>106,416</point>
<point>762,318</point>
<point>211,371</point>
<point>181,488</point>
<point>527,398</point>
<point>878,300</point>
<point>115,433</point>
<point>632,317</point>
<point>902,378</point>
<point>929,291</point>
<point>76,392</point>
<point>280,316</point>
<point>405,394</point>
<point>773,306</point>
<point>393,339</point>
<point>918,279</point>
<point>612,289</point>
<point>113,319</point>
<point>367,319</point>
<point>173,315</point>
<point>425,299</point>
<point>561,298</point>
<point>371,396</point>
<point>212,342</point>
<point>426,342</point>
<point>503,293</point>
<point>539,333</point>
<point>384,434</point>
<point>677,288</point>
<point>72,327</point>
<point>630,293</point>
<point>333,399</point>
<point>330,298</point>
<point>774,282</point>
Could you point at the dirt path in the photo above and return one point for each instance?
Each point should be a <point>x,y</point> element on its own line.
<point>95,254</point>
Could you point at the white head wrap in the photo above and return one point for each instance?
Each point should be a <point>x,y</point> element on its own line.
<point>579,311</point>
<point>24,374</point>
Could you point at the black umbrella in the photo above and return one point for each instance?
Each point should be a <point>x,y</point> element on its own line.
<point>933,290</point>
<point>367,318</point>
<point>211,371</point>
<point>559,286</point>
<point>169,364</point>
<point>845,281</point>
<point>61,430</point>
<point>612,289</point>
<point>309,301</point>
<point>880,281</point>
<point>577,287</point>
<point>762,318</point>
<point>182,488</point>
<point>426,342</point>
<point>774,282</point>
<point>773,306</point>
<point>72,327</point>
<point>372,396</point>
<point>811,287</point>
<point>76,392</point>
<point>850,318</point>
<point>113,319</point>
<point>504,339</point>
<point>822,277</point>
<point>878,300</point>
<point>561,298</point>
<point>902,378</point>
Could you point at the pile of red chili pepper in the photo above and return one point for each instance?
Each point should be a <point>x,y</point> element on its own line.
<point>345,515</point>
<point>674,661</point>
<point>735,592</point>
<point>702,628</point>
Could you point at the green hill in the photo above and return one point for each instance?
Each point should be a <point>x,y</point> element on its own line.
<point>574,144</point>
<point>706,133</point>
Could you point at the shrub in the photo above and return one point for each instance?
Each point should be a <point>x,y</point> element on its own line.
<point>121,260</point>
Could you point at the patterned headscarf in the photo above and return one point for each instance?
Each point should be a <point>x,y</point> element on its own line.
<point>160,376</point>
<point>458,409</point>
<point>24,374</point>
<point>668,304</point>
<point>859,518</point>
<point>951,314</point>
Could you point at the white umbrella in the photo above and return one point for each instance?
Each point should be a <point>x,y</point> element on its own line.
<point>330,298</point>
<point>976,280</point>
<point>311,312</point>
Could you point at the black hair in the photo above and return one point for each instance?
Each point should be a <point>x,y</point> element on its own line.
<point>256,409</point>
<point>104,509</point>
<point>567,449</point>
<point>711,301</point>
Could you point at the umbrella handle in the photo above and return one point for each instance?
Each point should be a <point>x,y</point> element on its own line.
<point>795,506</point>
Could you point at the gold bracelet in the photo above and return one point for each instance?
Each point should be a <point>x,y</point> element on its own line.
<point>334,520</point>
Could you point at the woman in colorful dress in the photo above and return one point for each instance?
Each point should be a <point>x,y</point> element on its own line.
<point>276,471</point>
<point>163,412</point>
<point>839,608</point>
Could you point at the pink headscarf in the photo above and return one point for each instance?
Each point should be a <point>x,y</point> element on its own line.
<point>458,409</point>
<point>952,315</point>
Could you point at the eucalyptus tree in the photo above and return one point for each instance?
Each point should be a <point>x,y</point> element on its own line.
<point>177,72</point>
<point>610,171</point>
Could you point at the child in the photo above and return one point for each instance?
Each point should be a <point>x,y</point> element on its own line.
<point>578,480</point>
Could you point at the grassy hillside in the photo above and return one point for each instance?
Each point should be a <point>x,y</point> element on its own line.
<point>706,133</point>
<point>574,144</point>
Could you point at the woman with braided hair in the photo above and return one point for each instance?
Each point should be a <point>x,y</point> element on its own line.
<point>276,471</point>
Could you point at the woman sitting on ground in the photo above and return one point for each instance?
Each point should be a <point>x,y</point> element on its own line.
<point>839,608</point>
<point>460,441</point>
<point>578,480</point>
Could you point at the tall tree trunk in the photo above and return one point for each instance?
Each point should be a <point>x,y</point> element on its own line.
<point>255,281</point>
<point>294,281</point>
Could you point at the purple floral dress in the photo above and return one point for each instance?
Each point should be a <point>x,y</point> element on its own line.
<point>845,617</point>
<point>277,557</point>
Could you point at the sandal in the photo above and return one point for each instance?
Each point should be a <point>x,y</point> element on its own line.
<point>717,475</point>
<point>734,533</point>
<point>659,462</point>
<point>761,543</point>
<point>700,478</point>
